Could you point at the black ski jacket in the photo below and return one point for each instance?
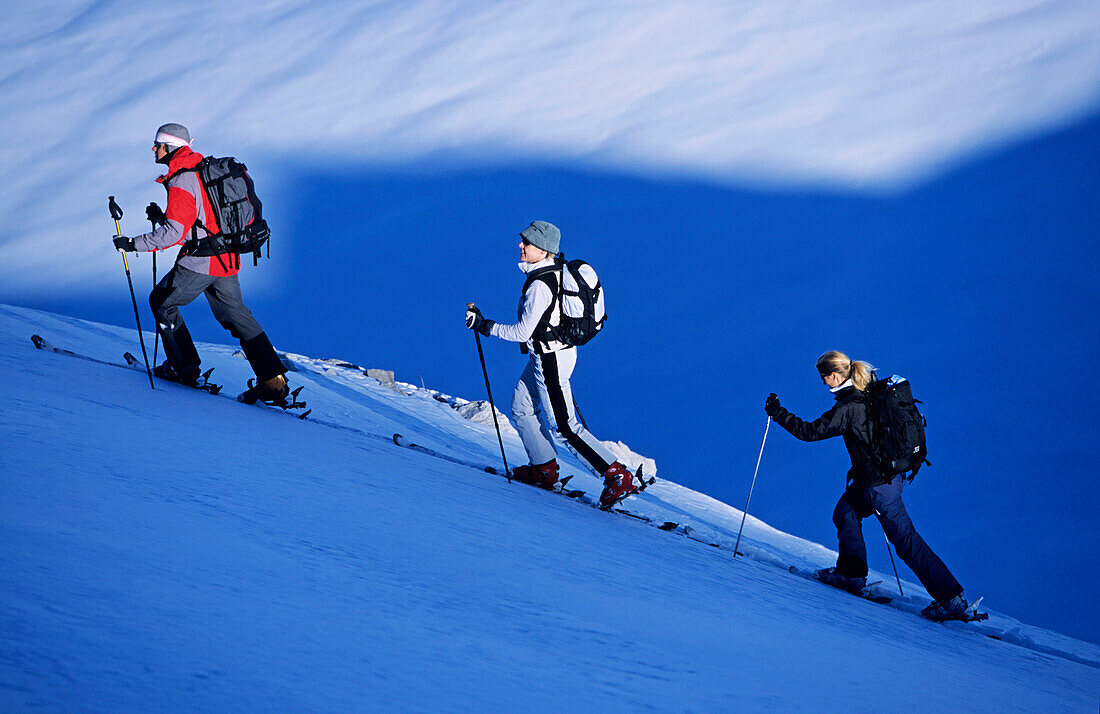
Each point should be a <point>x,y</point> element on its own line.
<point>847,418</point>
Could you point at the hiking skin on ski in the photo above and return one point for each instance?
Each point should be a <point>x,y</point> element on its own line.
<point>290,403</point>
<point>400,440</point>
<point>132,362</point>
<point>867,592</point>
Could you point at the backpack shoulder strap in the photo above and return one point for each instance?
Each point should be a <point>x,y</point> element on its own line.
<point>543,274</point>
<point>552,277</point>
<point>209,237</point>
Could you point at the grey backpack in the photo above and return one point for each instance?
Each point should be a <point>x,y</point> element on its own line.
<point>240,213</point>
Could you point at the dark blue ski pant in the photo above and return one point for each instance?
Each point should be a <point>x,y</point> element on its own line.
<point>884,501</point>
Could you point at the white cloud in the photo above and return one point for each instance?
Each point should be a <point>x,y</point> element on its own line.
<point>865,95</point>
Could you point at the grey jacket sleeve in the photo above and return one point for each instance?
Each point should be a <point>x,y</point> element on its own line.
<point>184,203</point>
<point>165,236</point>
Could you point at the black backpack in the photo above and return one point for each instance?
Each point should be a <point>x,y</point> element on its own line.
<point>896,427</point>
<point>579,298</point>
<point>240,213</point>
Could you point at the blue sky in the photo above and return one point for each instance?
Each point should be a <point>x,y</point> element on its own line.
<point>914,188</point>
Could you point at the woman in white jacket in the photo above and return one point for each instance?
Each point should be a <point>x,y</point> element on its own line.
<point>543,388</point>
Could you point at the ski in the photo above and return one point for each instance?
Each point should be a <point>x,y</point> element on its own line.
<point>403,442</point>
<point>204,385</point>
<point>400,440</point>
<point>570,493</point>
<point>971,614</point>
<point>560,488</point>
<point>42,344</point>
<point>130,362</point>
<point>867,593</point>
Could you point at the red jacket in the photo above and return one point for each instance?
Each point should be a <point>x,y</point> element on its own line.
<point>187,201</point>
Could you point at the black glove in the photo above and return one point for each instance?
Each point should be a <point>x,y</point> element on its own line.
<point>155,215</point>
<point>475,321</point>
<point>771,405</point>
<point>123,243</point>
<point>473,317</point>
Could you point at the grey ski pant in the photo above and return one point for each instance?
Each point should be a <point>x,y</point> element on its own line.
<point>179,287</point>
<point>543,402</point>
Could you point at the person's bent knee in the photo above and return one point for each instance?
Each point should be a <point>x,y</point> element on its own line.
<point>840,514</point>
<point>156,302</point>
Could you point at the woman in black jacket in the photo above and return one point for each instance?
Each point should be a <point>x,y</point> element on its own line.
<point>869,491</point>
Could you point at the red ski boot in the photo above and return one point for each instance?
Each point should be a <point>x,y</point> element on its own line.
<point>543,475</point>
<point>618,483</point>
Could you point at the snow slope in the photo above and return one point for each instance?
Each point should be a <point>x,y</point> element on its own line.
<point>168,550</point>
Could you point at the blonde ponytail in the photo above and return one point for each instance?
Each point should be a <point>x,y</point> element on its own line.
<point>833,361</point>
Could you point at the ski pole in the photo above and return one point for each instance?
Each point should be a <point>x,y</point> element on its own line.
<point>577,411</point>
<point>156,332</point>
<point>892,564</point>
<point>757,470</point>
<point>116,213</point>
<point>481,356</point>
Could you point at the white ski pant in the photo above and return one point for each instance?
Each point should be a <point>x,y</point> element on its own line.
<point>543,402</point>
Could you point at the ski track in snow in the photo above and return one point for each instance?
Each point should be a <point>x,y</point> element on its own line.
<point>167,549</point>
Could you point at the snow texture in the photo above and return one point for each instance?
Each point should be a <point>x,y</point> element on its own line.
<point>170,550</point>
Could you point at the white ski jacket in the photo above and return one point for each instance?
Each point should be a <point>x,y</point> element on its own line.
<point>533,304</point>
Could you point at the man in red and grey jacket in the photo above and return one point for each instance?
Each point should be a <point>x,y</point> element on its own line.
<point>203,266</point>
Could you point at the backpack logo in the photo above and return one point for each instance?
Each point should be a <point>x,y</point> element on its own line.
<point>896,427</point>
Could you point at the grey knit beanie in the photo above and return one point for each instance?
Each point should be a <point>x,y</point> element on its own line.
<point>542,235</point>
<point>174,135</point>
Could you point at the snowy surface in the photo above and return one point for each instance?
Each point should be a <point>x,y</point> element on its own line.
<point>872,95</point>
<point>169,550</point>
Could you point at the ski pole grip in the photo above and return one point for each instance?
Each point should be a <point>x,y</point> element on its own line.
<point>116,212</point>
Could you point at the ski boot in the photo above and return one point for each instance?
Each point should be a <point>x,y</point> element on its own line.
<point>830,576</point>
<point>167,372</point>
<point>542,475</point>
<point>618,483</point>
<point>953,609</point>
<point>274,392</point>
